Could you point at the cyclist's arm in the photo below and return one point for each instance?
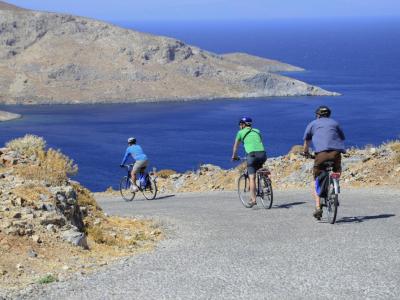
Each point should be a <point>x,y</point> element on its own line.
<point>307,144</point>
<point>125,157</point>
<point>235,149</point>
<point>340,132</point>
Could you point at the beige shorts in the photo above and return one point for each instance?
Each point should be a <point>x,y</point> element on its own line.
<point>139,166</point>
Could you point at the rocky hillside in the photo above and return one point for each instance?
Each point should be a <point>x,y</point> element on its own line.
<point>50,226</point>
<point>58,58</point>
<point>372,166</point>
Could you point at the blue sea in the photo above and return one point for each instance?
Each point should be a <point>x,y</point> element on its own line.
<point>357,58</point>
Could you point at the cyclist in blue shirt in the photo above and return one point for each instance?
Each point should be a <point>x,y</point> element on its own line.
<point>327,138</point>
<point>136,153</point>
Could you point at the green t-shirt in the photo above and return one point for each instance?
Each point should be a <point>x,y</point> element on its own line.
<point>253,141</point>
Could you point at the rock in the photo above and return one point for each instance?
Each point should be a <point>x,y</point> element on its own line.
<point>8,160</point>
<point>75,238</point>
<point>51,227</point>
<point>17,215</point>
<point>53,219</point>
<point>32,253</point>
<point>36,238</point>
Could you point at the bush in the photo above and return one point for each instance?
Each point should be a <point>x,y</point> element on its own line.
<point>395,146</point>
<point>165,173</point>
<point>52,166</point>
<point>27,145</point>
<point>47,279</point>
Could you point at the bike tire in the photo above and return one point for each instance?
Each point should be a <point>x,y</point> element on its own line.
<point>266,193</point>
<point>125,189</point>
<point>331,204</point>
<point>244,190</point>
<point>150,191</point>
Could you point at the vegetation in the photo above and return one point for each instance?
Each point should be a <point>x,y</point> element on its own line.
<point>165,173</point>
<point>51,165</point>
<point>28,145</point>
<point>49,278</point>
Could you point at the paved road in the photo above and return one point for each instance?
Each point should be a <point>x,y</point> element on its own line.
<point>218,249</point>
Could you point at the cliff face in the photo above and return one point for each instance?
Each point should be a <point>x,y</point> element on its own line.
<point>56,58</point>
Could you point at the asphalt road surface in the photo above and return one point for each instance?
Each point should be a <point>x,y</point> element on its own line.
<point>217,249</point>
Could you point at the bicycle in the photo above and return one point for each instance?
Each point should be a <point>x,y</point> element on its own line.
<point>147,185</point>
<point>332,190</point>
<point>263,188</point>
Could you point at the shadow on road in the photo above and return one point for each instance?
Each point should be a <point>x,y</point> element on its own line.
<point>164,197</point>
<point>289,205</point>
<point>361,219</point>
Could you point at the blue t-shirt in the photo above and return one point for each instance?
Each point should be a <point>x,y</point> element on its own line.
<point>134,151</point>
<point>325,134</point>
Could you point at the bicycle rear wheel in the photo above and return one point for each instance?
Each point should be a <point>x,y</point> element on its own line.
<point>150,191</point>
<point>331,204</point>
<point>125,189</point>
<point>266,193</point>
<point>244,190</point>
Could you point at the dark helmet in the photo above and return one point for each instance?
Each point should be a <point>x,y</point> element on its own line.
<point>245,120</point>
<point>323,111</point>
<point>131,140</point>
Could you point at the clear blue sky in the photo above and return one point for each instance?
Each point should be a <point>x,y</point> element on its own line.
<point>149,10</point>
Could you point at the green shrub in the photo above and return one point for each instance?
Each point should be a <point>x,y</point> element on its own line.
<point>47,279</point>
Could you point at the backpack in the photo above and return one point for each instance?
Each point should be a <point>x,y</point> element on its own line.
<point>321,184</point>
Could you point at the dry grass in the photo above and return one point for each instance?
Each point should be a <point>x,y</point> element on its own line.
<point>28,145</point>
<point>52,166</point>
<point>395,146</point>
<point>31,193</point>
<point>165,173</point>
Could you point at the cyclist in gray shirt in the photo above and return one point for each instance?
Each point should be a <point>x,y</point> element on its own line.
<point>328,142</point>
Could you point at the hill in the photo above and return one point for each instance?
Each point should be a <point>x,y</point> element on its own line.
<point>57,58</point>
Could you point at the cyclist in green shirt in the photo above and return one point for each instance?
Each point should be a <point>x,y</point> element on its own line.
<point>255,152</point>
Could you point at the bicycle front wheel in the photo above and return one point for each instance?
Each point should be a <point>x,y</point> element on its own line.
<point>150,192</point>
<point>244,190</point>
<point>125,189</point>
<point>331,204</point>
<point>266,193</point>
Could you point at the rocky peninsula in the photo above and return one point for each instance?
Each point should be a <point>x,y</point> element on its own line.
<point>7,116</point>
<point>57,58</point>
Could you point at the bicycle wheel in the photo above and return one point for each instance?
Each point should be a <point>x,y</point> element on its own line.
<point>125,189</point>
<point>266,193</point>
<point>244,190</point>
<point>331,204</point>
<point>150,191</point>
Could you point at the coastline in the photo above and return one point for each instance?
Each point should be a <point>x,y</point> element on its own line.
<point>7,116</point>
<point>162,100</point>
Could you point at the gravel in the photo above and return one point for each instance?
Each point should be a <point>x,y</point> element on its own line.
<point>217,249</point>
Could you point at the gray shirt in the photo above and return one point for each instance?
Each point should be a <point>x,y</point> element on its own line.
<point>325,134</point>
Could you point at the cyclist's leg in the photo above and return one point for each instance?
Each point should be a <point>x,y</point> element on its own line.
<point>255,161</point>
<point>139,164</point>
<point>251,169</point>
<point>320,158</point>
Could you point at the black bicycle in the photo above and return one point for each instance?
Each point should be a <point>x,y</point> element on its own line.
<point>329,190</point>
<point>263,188</point>
<point>146,183</point>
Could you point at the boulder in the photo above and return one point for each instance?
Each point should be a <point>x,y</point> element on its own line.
<point>75,237</point>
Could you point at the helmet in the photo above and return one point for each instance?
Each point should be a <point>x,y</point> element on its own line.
<point>131,140</point>
<point>323,111</point>
<point>245,120</point>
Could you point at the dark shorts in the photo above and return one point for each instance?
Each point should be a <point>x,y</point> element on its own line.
<point>255,161</point>
<point>324,156</point>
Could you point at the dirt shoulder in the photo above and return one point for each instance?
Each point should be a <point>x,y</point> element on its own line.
<point>52,227</point>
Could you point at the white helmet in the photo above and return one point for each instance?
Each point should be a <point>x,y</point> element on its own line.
<point>131,140</point>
